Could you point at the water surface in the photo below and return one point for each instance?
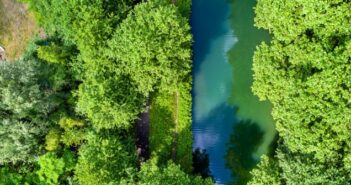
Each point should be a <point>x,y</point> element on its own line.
<point>228,120</point>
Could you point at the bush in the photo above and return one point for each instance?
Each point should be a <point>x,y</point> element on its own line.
<point>52,140</point>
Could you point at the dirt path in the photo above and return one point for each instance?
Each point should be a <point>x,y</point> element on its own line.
<point>17,27</point>
<point>175,133</point>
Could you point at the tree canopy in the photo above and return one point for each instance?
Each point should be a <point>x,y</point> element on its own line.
<point>68,107</point>
<point>105,159</point>
<point>305,73</point>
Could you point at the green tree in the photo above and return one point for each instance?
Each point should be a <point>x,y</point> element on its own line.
<point>88,24</point>
<point>109,99</point>
<point>19,141</point>
<point>105,159</point>
<point>12,175</point>
<point>52,167</point>
<point>287,20</point>
<point>266,172</point>
<point>151,174</point>
<point>305,73</point>
<point>300,167</point>
<point>30,92</point>
<point>153,46</point>
<point>24,92</point>
<point>7,177</point>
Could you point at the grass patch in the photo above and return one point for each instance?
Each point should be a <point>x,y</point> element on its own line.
<point>17,27</point>
<point>184,133</point>
<point>163,127</point>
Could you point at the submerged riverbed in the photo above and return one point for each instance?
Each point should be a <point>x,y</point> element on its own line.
<point>228,120</point>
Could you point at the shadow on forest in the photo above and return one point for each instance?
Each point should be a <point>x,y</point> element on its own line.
<point>160,127</point>
<point>244,141</point>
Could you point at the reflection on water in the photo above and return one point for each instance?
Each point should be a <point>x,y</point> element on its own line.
<point>212,71</point>
<point>212,134</point>
<point>245,139</point>
<point>201,163</point>
<point>240,56</point>
<point>222,88</point>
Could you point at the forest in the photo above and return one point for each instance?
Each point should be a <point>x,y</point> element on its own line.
<point>305,72</point>
<point>70,105</point>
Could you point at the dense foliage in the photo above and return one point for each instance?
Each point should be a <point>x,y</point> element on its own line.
<point>68,107</point>
<point>152,46</point>
<point>305,72</point>
<point>169,174</point>
<point>104,159</point>
<point>19,141</point>
<point>29,98</point>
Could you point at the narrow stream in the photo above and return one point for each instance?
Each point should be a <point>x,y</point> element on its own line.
<point>228,120</point>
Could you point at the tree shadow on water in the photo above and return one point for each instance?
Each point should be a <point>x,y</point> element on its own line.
<point>201,163</point>
<point>244,141</point>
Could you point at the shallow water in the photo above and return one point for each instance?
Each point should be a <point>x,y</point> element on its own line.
<point>228,120</point>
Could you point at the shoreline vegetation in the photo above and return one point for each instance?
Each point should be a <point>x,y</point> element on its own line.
<point>305,73</point>
<point>68,106</point>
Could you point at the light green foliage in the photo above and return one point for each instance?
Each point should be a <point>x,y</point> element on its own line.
<point>287,20</point>
<point>73,137</point>
<point>314,79</point>
<point>30,88</point>
<point>74,131</point>
<point>267,172</point>
<point>151,174</point>
<point>150,50</point>
<point>162,126</point>
<point>153,46</point>
<point>19,141</point>
<point>69,123</point>
<point>305,73</point>
<point>300,168</point>
<point>108,99</point>
<point>52,140</point>
<point>163,114</point>
<point>184,133</point>
<point>53,167</point>
<point>53,53</point>
<point>105,159</point>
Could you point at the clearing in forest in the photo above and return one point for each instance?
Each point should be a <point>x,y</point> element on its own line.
<point>17,27</point>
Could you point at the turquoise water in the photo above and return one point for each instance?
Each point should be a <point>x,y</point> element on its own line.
<point>228,120</point>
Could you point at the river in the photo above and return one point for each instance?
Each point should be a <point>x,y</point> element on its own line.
<point>229,122</point>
